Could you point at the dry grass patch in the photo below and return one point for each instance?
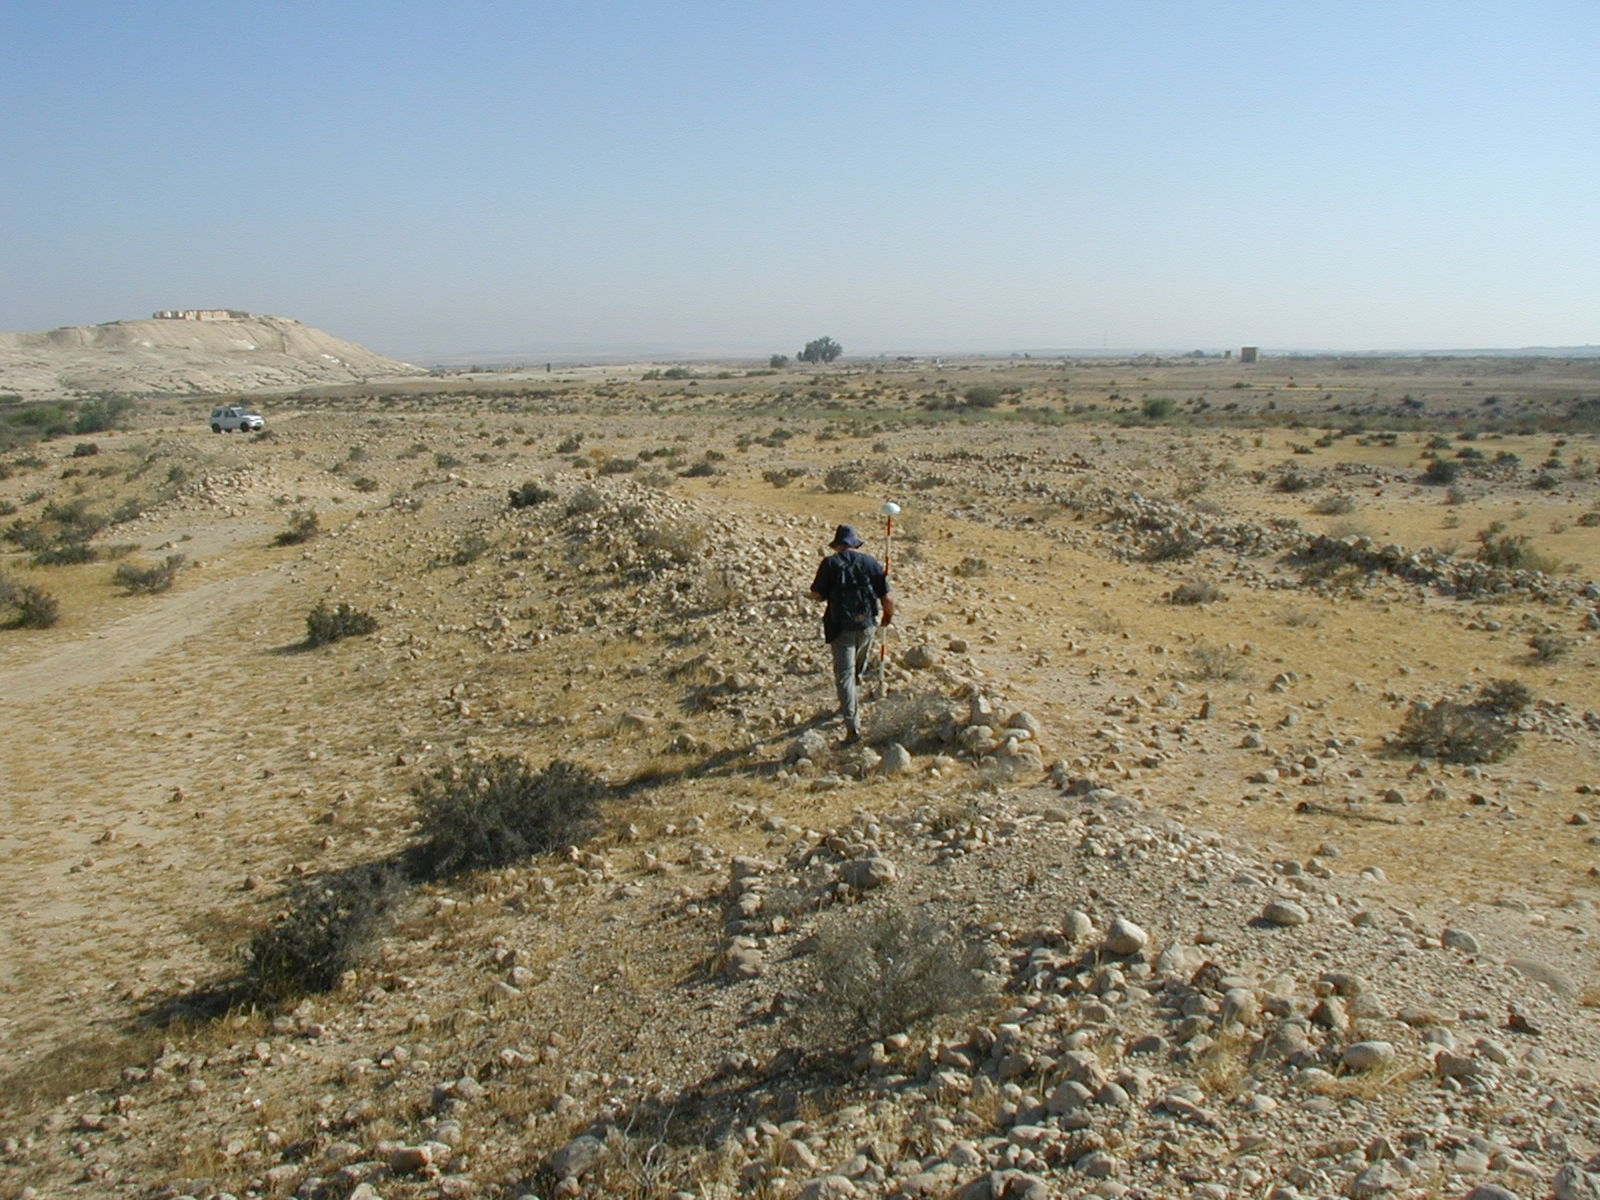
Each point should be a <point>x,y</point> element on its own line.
<point>1211,664</point>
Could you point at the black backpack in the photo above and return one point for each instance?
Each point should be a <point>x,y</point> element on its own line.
<point>854,603</point>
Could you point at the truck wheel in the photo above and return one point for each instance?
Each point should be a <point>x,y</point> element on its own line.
<point>216,429</point>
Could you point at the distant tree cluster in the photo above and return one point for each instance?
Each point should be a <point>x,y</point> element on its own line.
<point>821,350</point>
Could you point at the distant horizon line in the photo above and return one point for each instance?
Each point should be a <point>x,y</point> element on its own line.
<point>565,353</point>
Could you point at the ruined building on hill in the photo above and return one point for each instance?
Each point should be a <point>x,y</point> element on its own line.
<point>200,314</point>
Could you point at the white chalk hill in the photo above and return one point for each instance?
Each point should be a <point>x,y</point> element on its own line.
<point>183,357</point>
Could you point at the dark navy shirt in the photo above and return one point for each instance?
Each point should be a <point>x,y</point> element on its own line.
<point>852,583</point>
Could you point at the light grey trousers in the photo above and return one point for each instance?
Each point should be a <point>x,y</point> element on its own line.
<point>852,654</point>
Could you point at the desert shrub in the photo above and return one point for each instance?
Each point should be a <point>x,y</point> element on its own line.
<point>703,469</point>
<point>971,567</point>
<point>1195,591</point>
<point>303,526</point>
<point>1335,504</point>
<point>723,590</point>
<point>783,477</point>
<point>29,607</point>
<point>468,550</point>
<point>364,483</point>
<point>65,554</point>
<point>570,444</point>
<point>982,396</point>
<point>1512,551</point>
<point>1547,646</point>
<point>1504,697</point>
<point>491,813</point>
<point>1216,663</point>
<point>1454,732</point>
<point>329,926</point>
<point>530,494</point>
<point>1589,519</point>
<point>1158,408</point>
<point>73,519</point>
<point>85,450</point>
<point>842,479</point>
<point>446,461</point>
<point>101,416</point>
<point>677,541</point>
<point>1441,472</point>
<point>618,466</point>
<point>27,535</point>
<point>1170,546</point>
<point>887,970</point>
<point>130,509</point>
<point>585,500</point>
<point>324,624</point>
<point>1294,481</point>
<point>135,580</point>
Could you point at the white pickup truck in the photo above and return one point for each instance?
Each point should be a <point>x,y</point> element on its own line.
<point>235,418</point>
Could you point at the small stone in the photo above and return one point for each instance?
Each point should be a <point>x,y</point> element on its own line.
<point>896,760</point>
<point>828,1187</point>
<point>409,1160</point>
<point>1573,1182</point>
<point>1077,926</point>
<point>865,874</point>
<point>1459,939</point>
<point>1285,913</point>
<point>1368,1056</point>
<point>1239,1005</point>
<point>1451,1065</point>
<point>1378,1178</point>
<point>796,1155</point>
<point>577,1156</point>
<point>1124,937</point>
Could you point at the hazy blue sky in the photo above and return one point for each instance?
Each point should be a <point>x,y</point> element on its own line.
<point>438,178</point>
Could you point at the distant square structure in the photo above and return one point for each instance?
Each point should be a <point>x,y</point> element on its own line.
<point>1249,354</point>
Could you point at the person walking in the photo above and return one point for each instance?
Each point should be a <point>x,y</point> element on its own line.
<point>856,588</point>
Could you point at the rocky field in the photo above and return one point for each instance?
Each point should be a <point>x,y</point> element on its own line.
<point>1223,825</point>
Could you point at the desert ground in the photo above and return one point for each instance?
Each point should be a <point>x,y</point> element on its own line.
<point>1160,624</point>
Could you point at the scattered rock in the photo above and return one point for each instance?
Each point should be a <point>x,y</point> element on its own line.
<point>1285,913</point>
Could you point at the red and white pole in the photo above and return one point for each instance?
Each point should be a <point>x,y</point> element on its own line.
<point>889,510</point>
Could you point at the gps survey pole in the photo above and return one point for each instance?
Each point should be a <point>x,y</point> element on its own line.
<point>889,510</point>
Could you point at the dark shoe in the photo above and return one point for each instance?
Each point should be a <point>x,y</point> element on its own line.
<point>851,737</point>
